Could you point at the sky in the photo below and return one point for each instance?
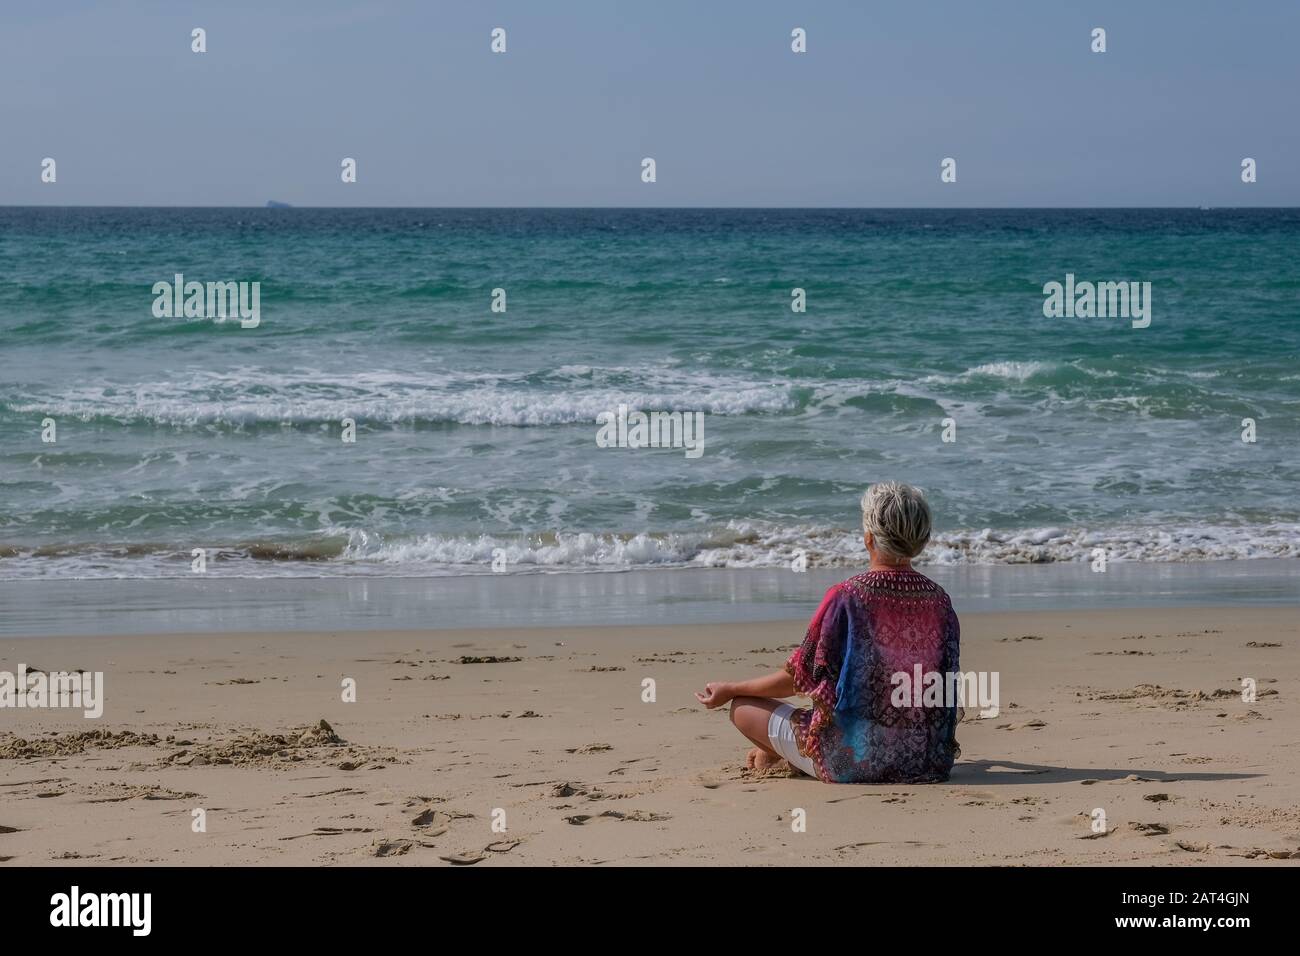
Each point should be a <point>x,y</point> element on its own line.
<point>710,90</point>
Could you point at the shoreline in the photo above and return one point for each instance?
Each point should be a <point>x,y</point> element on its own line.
<point>691,596</point>
<point>1135,712</point>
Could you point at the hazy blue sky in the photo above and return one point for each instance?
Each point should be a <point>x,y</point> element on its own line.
<point>711,90</point>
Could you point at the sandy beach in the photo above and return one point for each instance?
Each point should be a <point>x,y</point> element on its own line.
<point>1137,713</point>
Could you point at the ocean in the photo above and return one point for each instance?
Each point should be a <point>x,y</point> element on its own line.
<point>475,430</point>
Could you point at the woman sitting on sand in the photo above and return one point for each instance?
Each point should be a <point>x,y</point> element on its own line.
<point>868,629</point>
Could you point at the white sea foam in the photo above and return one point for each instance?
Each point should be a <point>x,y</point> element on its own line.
<point>574,551</point>
<point>1019,371</point>
<point>394,398</point>
<point>736,545</point>
<point>756,545</point>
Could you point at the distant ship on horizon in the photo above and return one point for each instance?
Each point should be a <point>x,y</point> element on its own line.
<point>276,204</point>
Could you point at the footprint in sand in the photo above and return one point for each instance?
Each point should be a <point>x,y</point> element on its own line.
<point>569,790</point>
<point>589,749</point>
<point>437,822</point>
<point>391,848</point>
<point>1027,725</point>
<point>1256,853</point>
<point>561,790</point>
<point>465,859</point>
<point>973,794</point>
<point>329,831</point>
<point>634,816</point>
<point>470,857</point>
<point>1147,829</point>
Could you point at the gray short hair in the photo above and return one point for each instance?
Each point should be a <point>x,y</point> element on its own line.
<point>898,516</point>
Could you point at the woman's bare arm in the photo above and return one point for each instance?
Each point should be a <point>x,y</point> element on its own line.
<point>776,684</point>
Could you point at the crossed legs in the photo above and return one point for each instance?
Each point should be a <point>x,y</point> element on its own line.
<point>751,716</point>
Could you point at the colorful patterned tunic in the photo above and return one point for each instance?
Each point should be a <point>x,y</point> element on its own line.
<point>868,629</point>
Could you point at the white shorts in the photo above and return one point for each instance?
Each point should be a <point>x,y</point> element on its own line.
<point>781,733</point>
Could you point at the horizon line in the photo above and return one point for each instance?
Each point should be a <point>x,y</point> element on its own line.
<point>281,207</point>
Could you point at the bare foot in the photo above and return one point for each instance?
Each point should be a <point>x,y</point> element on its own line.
<point>760,759</point>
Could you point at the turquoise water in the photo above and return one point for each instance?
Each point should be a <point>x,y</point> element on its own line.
<point>476,430</point>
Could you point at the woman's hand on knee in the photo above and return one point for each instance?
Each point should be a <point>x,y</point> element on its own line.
<point>715,694</point>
